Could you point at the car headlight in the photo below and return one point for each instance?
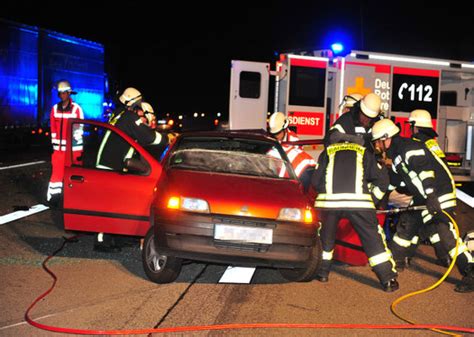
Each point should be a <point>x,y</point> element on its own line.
<point>290,214</point>
<point>296,214</point>
<point>188,204</point>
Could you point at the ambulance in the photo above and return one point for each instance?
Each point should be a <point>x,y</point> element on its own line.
<point>309,87</point>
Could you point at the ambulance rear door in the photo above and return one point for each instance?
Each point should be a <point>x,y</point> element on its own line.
<point>248,101</point>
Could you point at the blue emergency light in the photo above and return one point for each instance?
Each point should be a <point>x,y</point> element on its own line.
<point>337,48</point>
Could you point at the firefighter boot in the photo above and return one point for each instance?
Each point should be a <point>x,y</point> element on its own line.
<point>322,275</point>
<point>390,285</point>
<point>403,263</point>
<point>467,283</point>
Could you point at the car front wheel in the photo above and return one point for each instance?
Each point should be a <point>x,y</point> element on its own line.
<point>307,273</point>
<point>158,268</point>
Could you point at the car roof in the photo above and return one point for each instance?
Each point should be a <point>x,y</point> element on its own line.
<point>261,134</point>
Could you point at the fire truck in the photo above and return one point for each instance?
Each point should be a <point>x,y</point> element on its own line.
<point>309,88</point>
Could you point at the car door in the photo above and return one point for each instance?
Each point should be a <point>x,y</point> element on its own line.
<point>97,199</point>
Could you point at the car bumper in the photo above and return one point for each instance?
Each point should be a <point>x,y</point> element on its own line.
<point>191,236</point>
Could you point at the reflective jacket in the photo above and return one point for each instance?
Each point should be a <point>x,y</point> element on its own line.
<point>299,159</point>
<point>430,143</point>
<point>422,172</point>
<point>58,121</point>
<point>348,176</point>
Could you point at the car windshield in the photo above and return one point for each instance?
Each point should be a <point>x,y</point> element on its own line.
<point>231,155</point>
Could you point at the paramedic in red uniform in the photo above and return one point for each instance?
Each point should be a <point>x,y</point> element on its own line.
<point>301,161</point>
<point>60,113</point>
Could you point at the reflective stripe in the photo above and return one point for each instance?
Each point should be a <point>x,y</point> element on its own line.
<point>397,160</point>
<point>102,145</point>
<point>426,216</point>
<point>401,242</point>
<point>328,255</point>
<point>158,138</point>
<point>103,167</point>
<point>462,248</point>
<point>303,165</point>
<point>329,173</point>
<point>391,187</point>
<point>337,127</point>
<point>379,258</point>
<point>343,196</point>
<point>56,184</point>
<point>447,196</point>
<point>59,148</point>
<point>415,239</point>
<point>448,204</point>
<point>77,148</point>
<point>387,250</point>
<point>359,178</point>
<point>344,204</point>
<point>378,193</point>
<point>435,238</point>
<point>359,129</point>
<point>412,153</point>
<point>426,174</point>
<point>417,182</point>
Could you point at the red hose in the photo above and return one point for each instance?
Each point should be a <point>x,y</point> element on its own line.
<point>221,326</point>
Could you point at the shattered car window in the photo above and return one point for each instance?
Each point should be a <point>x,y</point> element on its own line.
<point>231,155</point>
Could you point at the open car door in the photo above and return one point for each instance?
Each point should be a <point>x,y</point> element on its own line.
<point>100,199</point>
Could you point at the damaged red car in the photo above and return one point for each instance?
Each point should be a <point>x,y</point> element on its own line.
<point>227,197</point>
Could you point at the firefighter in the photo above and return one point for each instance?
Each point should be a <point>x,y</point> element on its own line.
<point>431,184</point>
<point>355,125</point>
<point>146,112</point>
<point>350,183</point>
<point>422,130</point>
<point>113,152</point>
<point>60,113</point>
<point>301,161</point>
<point>348,102</point>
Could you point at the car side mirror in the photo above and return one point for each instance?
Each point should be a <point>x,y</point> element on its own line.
<point>137,166</point>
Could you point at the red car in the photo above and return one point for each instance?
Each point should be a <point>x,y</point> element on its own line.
<point>227,197</point>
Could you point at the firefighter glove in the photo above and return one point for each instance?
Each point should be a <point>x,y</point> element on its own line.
<point>432,204</point>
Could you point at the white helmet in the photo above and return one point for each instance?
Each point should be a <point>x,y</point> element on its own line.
<point>384,128</point>
<point>130,96</point>
<point>277,122</point>
<point>65,86</point>
<point>146,107</point>
<point>370,105</point>
<point>421,118</point>
<point>349,100</point>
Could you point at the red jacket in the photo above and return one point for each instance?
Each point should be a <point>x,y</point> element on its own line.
<point>300,160</point>
<point>58,120</point>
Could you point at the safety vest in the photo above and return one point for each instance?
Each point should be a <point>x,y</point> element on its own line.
<point>299,159</point>
<point>348,176</point>
<point>58,122</point>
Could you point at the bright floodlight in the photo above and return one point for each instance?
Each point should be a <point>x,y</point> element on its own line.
<point>337,47</point>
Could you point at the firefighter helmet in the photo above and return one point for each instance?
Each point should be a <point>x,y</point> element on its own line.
<point>65,86</point>
<point>277,122</point>
<point>384,128</point>
<point>147,108</point>
<point>370,105</point>
<point>349,100</point>
<point>421,118</point>
<point>130,96</point>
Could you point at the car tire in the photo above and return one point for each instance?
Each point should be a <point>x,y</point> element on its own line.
<point>159,268</point>
<point>305,274</point>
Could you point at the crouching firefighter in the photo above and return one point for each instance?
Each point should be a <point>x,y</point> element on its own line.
<point>350,182</point>
<point>431,184</point>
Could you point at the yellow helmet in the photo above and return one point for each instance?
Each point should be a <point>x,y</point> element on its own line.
<point>370,105</point>
<point>421,118</point>
<point>146,107</point>
<point>349,100</point>
<point>384,128</point>
<point>130,96</point>
<point>277,122</point>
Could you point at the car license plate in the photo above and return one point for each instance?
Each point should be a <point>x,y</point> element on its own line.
<point>244,234</point>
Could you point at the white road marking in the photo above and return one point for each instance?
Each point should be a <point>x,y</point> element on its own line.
<point>21,214</point>
<point>25,322</point>
<point>237,275</point>
<point>22,165</point>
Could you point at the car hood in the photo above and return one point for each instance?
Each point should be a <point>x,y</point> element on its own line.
<point>233,194</point>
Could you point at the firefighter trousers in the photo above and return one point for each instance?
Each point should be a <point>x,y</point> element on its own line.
<point>371,236</point>
<point>440,228</point>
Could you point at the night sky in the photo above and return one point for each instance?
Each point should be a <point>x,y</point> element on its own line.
<point>179,54</point>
